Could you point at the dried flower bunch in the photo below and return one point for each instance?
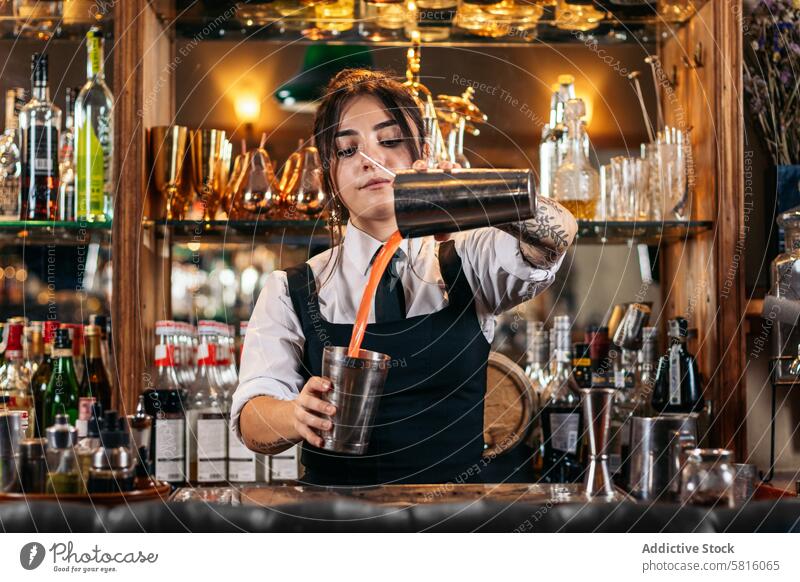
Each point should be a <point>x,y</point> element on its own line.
<point>771,80</point>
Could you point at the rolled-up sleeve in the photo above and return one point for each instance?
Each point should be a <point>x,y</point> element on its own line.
<point>273,349</point>
<point>497,272</point>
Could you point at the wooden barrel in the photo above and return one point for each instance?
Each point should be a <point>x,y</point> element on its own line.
<point>508,407</point>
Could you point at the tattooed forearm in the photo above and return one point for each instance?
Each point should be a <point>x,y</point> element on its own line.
<point>268,447</point>
<point>546,236</point>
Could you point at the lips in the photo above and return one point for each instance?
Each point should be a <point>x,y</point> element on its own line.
<point>375,181</point>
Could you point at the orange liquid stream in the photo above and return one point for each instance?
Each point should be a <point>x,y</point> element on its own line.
<point>378,267</point>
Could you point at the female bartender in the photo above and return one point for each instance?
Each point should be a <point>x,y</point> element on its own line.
<point>434,311</point>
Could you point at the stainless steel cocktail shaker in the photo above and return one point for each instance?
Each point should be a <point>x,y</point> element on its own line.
<point>438,201</point>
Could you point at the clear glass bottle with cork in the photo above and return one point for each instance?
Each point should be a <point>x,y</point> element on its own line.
<point>576,184</point>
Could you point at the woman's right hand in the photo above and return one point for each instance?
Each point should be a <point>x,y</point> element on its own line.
<point>309,407</point>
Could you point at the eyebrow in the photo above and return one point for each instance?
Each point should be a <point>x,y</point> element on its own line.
<point>378,126</point>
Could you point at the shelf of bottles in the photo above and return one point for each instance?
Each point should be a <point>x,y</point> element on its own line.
<point>624,353</point>
<point>53,19</point>
<point>266,231</point>
<point>444,22</point>
<point>643,232</point>
<point>56,181</point>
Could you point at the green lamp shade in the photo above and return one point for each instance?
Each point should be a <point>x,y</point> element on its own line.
<point>320,63</point>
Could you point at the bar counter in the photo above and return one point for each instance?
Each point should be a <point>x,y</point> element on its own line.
<point>403,508</point>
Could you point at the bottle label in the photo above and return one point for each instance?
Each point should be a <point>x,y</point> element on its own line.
<point>206,354</point>
<point>84,414</point>
<point>165,356</point>
<point>211,470</point>
<point>170,449</point>
<point>41,159</point>
<point>91,169</point>
<point>564,431</point>
<point>211,433</point>
<point>241,470</point>
<point>619,378</point>
<point>9,198</point>
<point>284,468</point>
<point>675,375</point>
<point>94,53</point>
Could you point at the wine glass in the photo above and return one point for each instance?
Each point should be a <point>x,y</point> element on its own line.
<point>207,147</point>
<point>167,148</point>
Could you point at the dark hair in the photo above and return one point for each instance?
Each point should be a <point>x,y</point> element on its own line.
<point>398,101</point>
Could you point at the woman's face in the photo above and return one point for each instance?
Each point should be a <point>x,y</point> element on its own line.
<point>366,189</point>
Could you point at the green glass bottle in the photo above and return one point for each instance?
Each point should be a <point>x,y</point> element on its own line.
<point>62,390</point>
<point>41,379</point>
<point>94,135</point>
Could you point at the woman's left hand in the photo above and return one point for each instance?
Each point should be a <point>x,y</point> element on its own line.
<point>422,166</point>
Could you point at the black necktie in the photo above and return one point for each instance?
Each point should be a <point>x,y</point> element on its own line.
<point>390,302</point>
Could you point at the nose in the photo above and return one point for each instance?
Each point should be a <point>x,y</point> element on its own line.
<point>376,156</point>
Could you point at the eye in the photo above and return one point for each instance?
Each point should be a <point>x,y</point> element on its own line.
<point>346,152</point>
<point>390,143</point>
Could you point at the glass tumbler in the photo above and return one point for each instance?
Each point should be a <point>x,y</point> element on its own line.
<point>707,478</point>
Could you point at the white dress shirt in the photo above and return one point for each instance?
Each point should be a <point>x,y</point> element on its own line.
<point>273,347</point>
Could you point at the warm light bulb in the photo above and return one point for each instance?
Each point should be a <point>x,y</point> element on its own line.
<point>247,108</point>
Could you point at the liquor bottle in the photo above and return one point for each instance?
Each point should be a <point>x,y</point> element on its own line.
<point>582,365</point>
<point>41,378</point>
<point>677,384</point>
<point>562,418</point>
<point>94,134</point>
<point>244,465</point>
<point>94,385</point>
<point>226,368</point>
<point>10,157</point>
<point>15,387</point>
<point>554,134</point>
<point>101,321</point>
<point>598,340</point>
<point>39,122</point>
<point>538,371</point>
<point>66,161</point>
<point>62,390</point>
<point>164,401</point>
<point>33,347</point>
<point>646,372</point>
<point>76,337</point>
<point>206,426</point>
<point>576,184</point>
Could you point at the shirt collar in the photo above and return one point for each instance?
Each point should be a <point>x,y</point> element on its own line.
<point>359,248</point>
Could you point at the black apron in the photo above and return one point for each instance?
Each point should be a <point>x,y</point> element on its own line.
<point>429,425</point>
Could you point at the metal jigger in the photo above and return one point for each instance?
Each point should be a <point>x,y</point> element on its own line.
<point>597,416</point>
